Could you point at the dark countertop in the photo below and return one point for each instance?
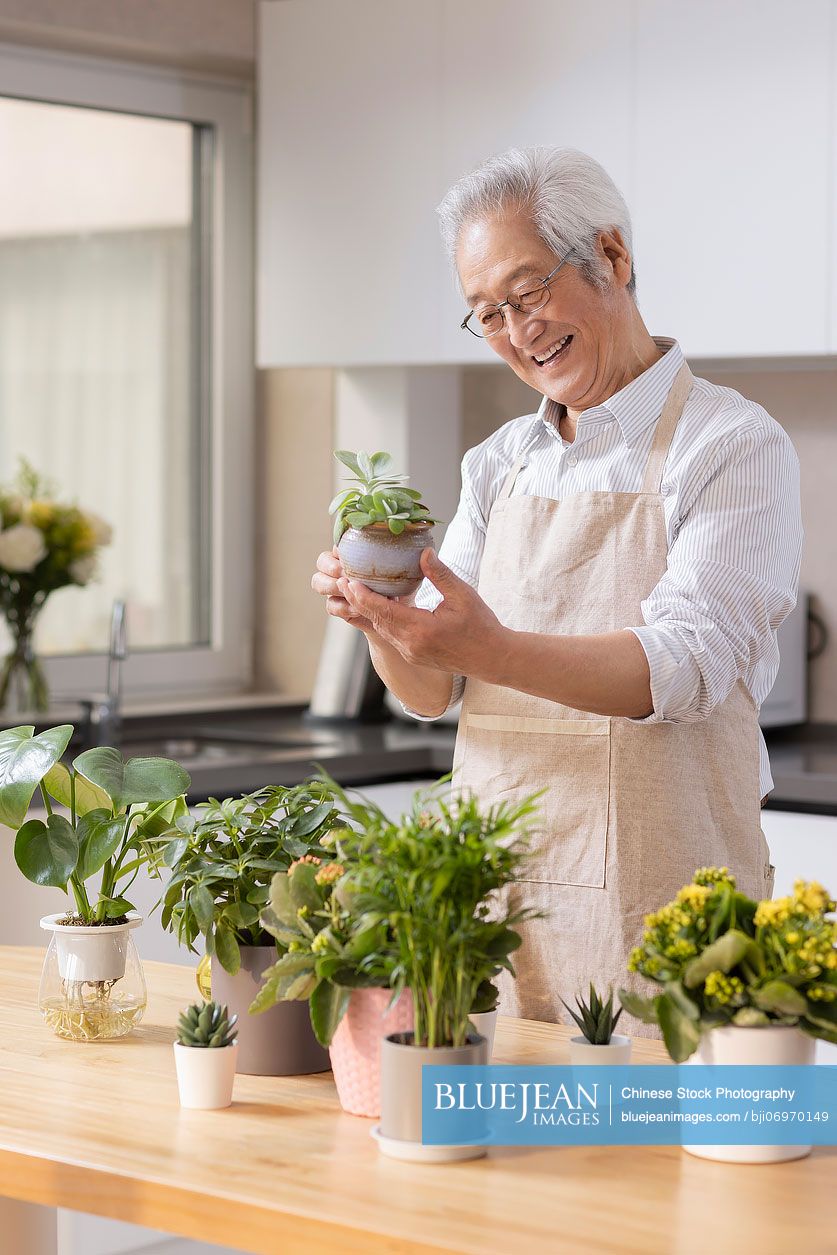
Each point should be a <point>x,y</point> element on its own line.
<point>236,750</point>
<point>804,765</point>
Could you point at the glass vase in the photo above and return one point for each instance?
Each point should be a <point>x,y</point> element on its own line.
<point>92,982</point>
<point>23,685</point>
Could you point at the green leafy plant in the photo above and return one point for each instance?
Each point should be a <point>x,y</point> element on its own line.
<point>206,1024</point>
<point>331,946</point>
<point>722,958</point>
<point>595,1018</point>
<point>437,878</point>
<point>378,496</point>
<point>113,806</point>
<point>223,860</point>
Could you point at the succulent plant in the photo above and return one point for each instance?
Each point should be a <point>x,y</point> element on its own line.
<point>595,1019</point>
<point>206,1024</point>
<point>379,497</point>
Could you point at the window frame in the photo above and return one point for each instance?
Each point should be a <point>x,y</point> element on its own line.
<point>225,664</point>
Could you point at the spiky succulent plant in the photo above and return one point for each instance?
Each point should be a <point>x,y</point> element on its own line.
<point>206,1024</point>
<point>379,496</point>
<point>595,1018</point>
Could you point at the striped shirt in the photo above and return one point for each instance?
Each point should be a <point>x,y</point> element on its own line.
<point>732,509</point>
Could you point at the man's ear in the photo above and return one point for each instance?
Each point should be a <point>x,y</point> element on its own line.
<point>615,256</point>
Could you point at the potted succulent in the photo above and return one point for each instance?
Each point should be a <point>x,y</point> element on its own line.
<point>742,982</point>
<point>223,860</point>
<point>204,1055</point>
<point>380,526</point>
<point>436,876</point>
<point>92,985</point>
<point>598,1043</point>
<point>340,960</point>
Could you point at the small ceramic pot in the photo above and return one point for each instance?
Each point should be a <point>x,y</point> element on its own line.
<point>385,563</point>
<point>356,1047</point>
<point>618,1050</point>
<point>205,1075</point>
<point>93,952</point>
<point>485,1023</point>
<point>401,1065</point>
<point>754,1047</point>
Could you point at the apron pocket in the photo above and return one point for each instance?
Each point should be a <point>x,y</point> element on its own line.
<point>507,758</point>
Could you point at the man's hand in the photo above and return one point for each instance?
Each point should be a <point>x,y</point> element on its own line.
<point>325,581</point>
<point>462,636</point>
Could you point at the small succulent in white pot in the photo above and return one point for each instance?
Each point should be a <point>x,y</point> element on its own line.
<point>204,1055</point>
<point>598,1043</point>
<point>380,525</point>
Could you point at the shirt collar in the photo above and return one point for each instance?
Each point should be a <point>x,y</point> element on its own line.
<point>636,406</point>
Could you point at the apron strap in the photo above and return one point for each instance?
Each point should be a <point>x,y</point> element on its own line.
<point>668,420</point>
<point>508,485</point>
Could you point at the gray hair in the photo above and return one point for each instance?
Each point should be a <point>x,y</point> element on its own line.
<point>570,196</point>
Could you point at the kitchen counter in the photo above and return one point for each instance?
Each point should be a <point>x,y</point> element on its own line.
<point>98,1128</point>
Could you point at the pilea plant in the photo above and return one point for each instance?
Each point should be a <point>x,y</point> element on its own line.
<point>114,806</point>
<point>595,1018</point>
<point>224,859</point>
<point>207,1025</point>
<point>377,496</point>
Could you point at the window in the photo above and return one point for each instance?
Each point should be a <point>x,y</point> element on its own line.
<point>126,355</point>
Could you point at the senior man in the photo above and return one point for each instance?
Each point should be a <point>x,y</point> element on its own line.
<point>606,599</point>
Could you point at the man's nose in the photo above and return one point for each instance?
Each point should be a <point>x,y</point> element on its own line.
<point>523,328</point>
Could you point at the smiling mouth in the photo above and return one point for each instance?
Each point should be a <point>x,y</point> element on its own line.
<point>552,354</point>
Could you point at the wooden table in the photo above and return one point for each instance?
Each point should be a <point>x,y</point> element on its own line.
<point>99,1128</point>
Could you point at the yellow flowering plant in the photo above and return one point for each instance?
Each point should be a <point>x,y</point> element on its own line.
<point>721,958</point>
<point>44,545</point>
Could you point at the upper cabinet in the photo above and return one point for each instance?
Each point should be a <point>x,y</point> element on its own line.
<point>713,119</point>
<point>732,168</point>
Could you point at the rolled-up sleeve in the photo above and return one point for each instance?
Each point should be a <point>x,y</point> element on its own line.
<point>731,576</point>
<point>461,550</point>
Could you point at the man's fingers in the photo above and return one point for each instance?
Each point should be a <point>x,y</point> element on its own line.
<point>339,608</point>
<point>440,576</point>
<point>325,585</point>
<point>330,564</point>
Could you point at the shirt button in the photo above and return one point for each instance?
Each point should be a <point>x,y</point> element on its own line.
<point>665,489</point>
<point>572,460</point>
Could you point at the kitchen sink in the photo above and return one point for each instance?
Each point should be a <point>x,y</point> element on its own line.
<point>223,747</point>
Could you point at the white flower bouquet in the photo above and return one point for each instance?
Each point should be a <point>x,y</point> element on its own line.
<point>44,545</point>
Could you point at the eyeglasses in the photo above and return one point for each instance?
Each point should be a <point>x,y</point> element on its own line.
<point>531,295</point>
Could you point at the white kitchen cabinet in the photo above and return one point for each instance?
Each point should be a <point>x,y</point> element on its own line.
<point>731,199</point>
<point>350,169</point>
<point>542,73</point>
<point>714,119</point>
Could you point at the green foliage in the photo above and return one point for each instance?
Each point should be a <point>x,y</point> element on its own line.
<point>722,958</point>
<point>206,1024</point>
<point>434,879</point>
<point>223,861</point>
<point>378,497</point>
<point>331,946</point>
<point>102,832</point>
<point>595,1018</point>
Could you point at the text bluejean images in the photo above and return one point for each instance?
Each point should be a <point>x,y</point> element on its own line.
<point>616,1106</point>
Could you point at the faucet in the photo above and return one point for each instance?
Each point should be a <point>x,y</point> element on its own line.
<point>102,711</point>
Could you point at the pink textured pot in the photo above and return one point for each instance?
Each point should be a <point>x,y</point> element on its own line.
<point>356,1047</point>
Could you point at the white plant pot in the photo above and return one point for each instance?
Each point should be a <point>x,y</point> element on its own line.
<point>90,953</point>
<point>485,1023</point>
<point>205,1075</point>
<point>752,1047</point>
<point>618,1050</point>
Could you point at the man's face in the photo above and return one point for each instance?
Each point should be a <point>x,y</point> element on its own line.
<point>495,256</point>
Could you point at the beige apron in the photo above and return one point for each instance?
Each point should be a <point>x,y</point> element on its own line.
<point>629,809</point>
